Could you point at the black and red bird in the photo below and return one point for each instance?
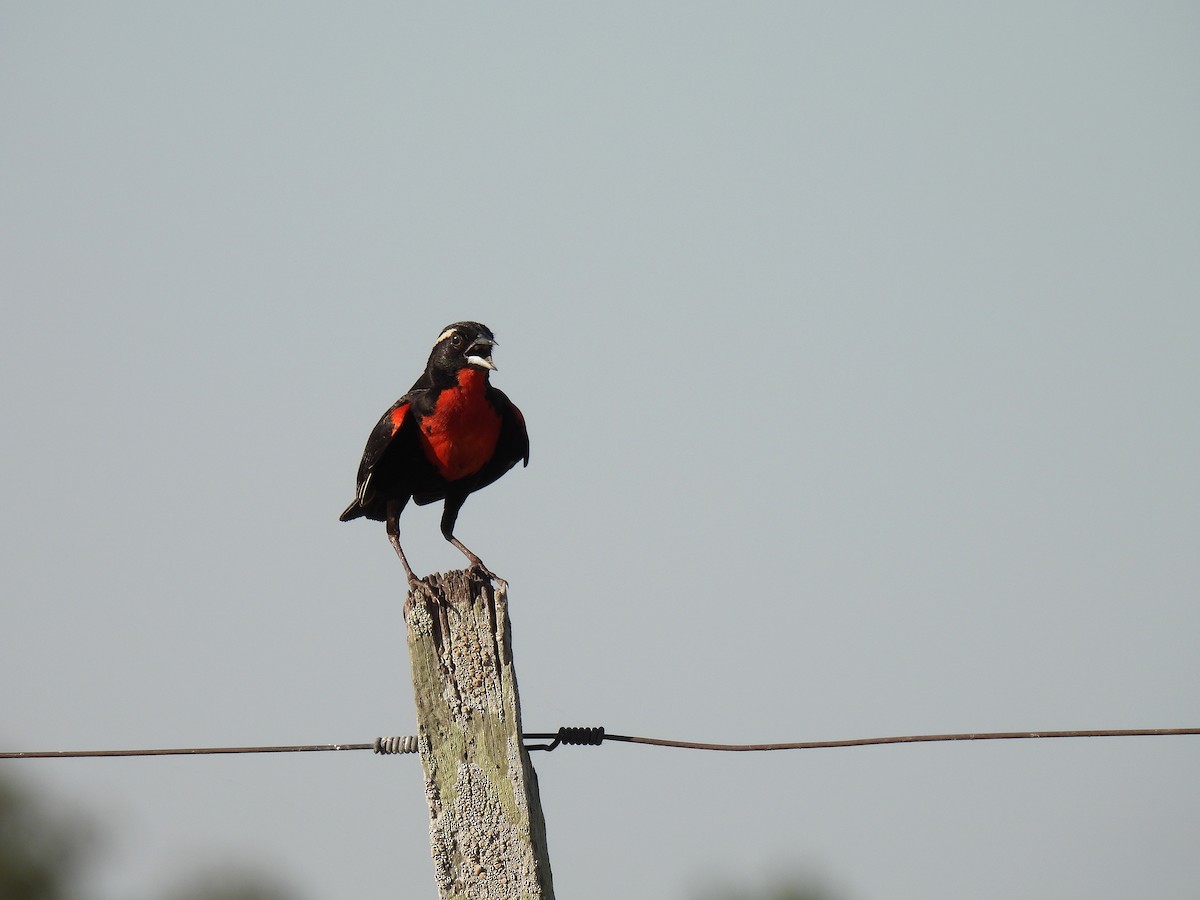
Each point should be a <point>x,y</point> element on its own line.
<point>452,434</point>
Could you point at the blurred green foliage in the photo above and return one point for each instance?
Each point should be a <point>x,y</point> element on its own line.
<point>39,854</point>
<point>44,856</point>
<point>797,887</point>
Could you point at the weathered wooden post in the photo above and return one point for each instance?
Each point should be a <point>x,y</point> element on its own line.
<point>485,816</point>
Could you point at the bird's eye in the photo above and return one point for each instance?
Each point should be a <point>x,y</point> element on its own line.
<point>457,339</point>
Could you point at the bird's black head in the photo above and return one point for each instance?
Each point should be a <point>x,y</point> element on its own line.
<point>462,345</point>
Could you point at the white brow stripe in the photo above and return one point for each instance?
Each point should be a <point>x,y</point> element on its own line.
<point>445,334</point>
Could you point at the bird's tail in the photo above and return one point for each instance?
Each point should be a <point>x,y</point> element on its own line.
<point>353,511</point>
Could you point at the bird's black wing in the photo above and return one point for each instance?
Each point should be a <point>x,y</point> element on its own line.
<point>514,437</point>
<point>395,422</point>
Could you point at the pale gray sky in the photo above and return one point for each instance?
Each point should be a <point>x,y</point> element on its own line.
<point>858,346</point>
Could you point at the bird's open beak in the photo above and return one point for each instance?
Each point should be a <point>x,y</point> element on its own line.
<point>480,354</point>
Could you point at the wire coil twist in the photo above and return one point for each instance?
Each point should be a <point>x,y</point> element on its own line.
<point>405,743</point>
<point>580,736</point>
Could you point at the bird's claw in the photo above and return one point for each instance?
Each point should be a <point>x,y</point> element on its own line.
<point>479,569</point>
<point>419,586</point>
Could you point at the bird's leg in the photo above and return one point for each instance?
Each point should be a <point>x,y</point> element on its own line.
<point>449,517</point>
<point>477,565</point>
<point>476,562</point>
<point>393,530</point>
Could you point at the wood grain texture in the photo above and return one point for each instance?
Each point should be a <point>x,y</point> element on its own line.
<point>486,829</point>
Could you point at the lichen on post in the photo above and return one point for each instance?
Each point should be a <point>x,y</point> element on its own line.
<point>486,829</point>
